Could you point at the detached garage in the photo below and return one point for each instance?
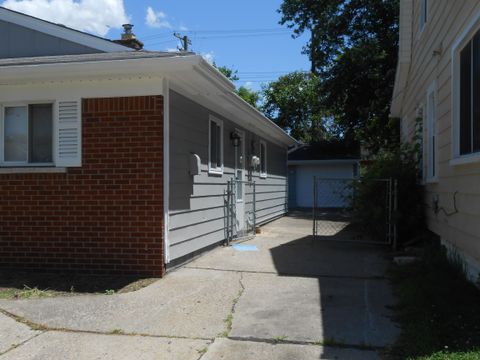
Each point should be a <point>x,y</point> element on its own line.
<point>334,161</point>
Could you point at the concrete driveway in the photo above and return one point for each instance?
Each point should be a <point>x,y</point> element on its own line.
<point>283,296</point>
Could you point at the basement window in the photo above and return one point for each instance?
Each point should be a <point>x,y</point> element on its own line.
<point>26,135</point>
<point>215,146</point>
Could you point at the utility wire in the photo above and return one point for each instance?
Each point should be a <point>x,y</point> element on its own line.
<point>219,31</point>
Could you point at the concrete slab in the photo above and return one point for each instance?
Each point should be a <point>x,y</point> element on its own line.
<point>81,346</point>
<point>287,253</point>
<point>187,303</point>
<point>247,350</point>
<point>349,311</point>
<point>13,333</point>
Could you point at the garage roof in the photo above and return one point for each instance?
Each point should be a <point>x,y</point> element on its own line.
<point>326,150</point>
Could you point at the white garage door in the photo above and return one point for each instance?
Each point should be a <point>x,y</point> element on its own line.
<point>331,193</point>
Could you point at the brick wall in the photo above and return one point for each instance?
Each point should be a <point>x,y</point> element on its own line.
<point>105,217</point>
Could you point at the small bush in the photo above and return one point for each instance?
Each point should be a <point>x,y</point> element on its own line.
<point>370,205</point>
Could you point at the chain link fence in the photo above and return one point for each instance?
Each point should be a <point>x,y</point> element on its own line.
<point>337,216</point>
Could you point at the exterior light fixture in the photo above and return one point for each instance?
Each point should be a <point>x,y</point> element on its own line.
<point>235,137</point>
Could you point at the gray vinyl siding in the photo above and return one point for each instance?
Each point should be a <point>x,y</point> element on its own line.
<point>19,41</point>
<point>197,203</point>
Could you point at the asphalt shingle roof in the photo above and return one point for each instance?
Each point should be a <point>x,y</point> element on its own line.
<point>59,59</point>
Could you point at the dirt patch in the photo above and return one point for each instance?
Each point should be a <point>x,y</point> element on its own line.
<point>23,285</point>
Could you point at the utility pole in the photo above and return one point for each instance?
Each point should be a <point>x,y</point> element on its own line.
<point>185,41</point>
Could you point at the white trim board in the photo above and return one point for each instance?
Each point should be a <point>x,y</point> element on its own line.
<point>166,170</point>
<point>60,31</point>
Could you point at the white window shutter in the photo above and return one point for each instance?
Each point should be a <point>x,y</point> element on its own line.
<point>68,137</point>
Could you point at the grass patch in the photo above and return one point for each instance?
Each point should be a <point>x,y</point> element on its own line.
<point>438,309</point>
<point>28,285</point>
<point>279,339</point>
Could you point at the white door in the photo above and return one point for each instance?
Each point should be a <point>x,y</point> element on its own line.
<point>240,177</point>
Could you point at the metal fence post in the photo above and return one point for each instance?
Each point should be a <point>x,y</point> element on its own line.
<point>254,209</point>
<point>395,208</point>
<point>314,230</point>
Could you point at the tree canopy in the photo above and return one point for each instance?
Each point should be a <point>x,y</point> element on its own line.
<point>353,50</point>
<point>292,103</point>
<point>250,96</point>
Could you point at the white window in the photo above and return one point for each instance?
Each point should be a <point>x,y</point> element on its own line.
<point>431,143</point>
<point>27,135</point>
<point>36,134</point>
<point>263,159</point>
<point>423,13</point>
<point>215,146</point>
<point>465,93</point>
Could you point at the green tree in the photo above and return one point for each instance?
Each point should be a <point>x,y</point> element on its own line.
<point>229,73</point>
<point>353,49</point>
<point>250,96</point>
<point>292,103</point>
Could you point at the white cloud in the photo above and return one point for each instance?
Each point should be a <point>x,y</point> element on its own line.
<point>248,84</point>
<point>172,50</point>
<point>157,19</point>
<point>209,57</point>
<point>93,16</point>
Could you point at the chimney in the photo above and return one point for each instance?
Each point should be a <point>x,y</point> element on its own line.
<point>129,39</point>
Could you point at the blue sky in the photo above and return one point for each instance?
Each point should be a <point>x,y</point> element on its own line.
<point>259,54</point>
<point>262,51</point>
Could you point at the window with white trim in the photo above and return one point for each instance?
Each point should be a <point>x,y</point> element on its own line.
<point>431,143</point>
<point>469,129</point>
<point>27,135</point>
<point>465,94</point>
<point>423,13</point>
<point>263,159</point>
<point>215,146</point>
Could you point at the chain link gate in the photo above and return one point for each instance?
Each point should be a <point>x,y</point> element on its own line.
<point>335,217</point>
<point>240,210</point>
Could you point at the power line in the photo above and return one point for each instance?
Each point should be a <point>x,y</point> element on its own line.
<point>222,31</point>
<point>221,34</point>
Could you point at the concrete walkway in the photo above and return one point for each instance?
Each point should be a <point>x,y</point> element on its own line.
<point>292,298</point>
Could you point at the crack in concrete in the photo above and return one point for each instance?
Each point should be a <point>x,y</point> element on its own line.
<point>40,327</point>
<point>313,276</point>
<point>15,346</point>
<point>325,343</point>
<point>229,317</point>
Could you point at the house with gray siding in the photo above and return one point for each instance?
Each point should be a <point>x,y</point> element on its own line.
<point>115,160</point>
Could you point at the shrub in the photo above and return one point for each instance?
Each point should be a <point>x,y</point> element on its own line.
<point>370,206</point>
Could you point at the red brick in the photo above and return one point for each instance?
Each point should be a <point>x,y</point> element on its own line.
<point>103,218</point>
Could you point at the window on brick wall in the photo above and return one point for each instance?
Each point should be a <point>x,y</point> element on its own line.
<point>215,146</point>
<point>27,134</point>
<point>466,92</point>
